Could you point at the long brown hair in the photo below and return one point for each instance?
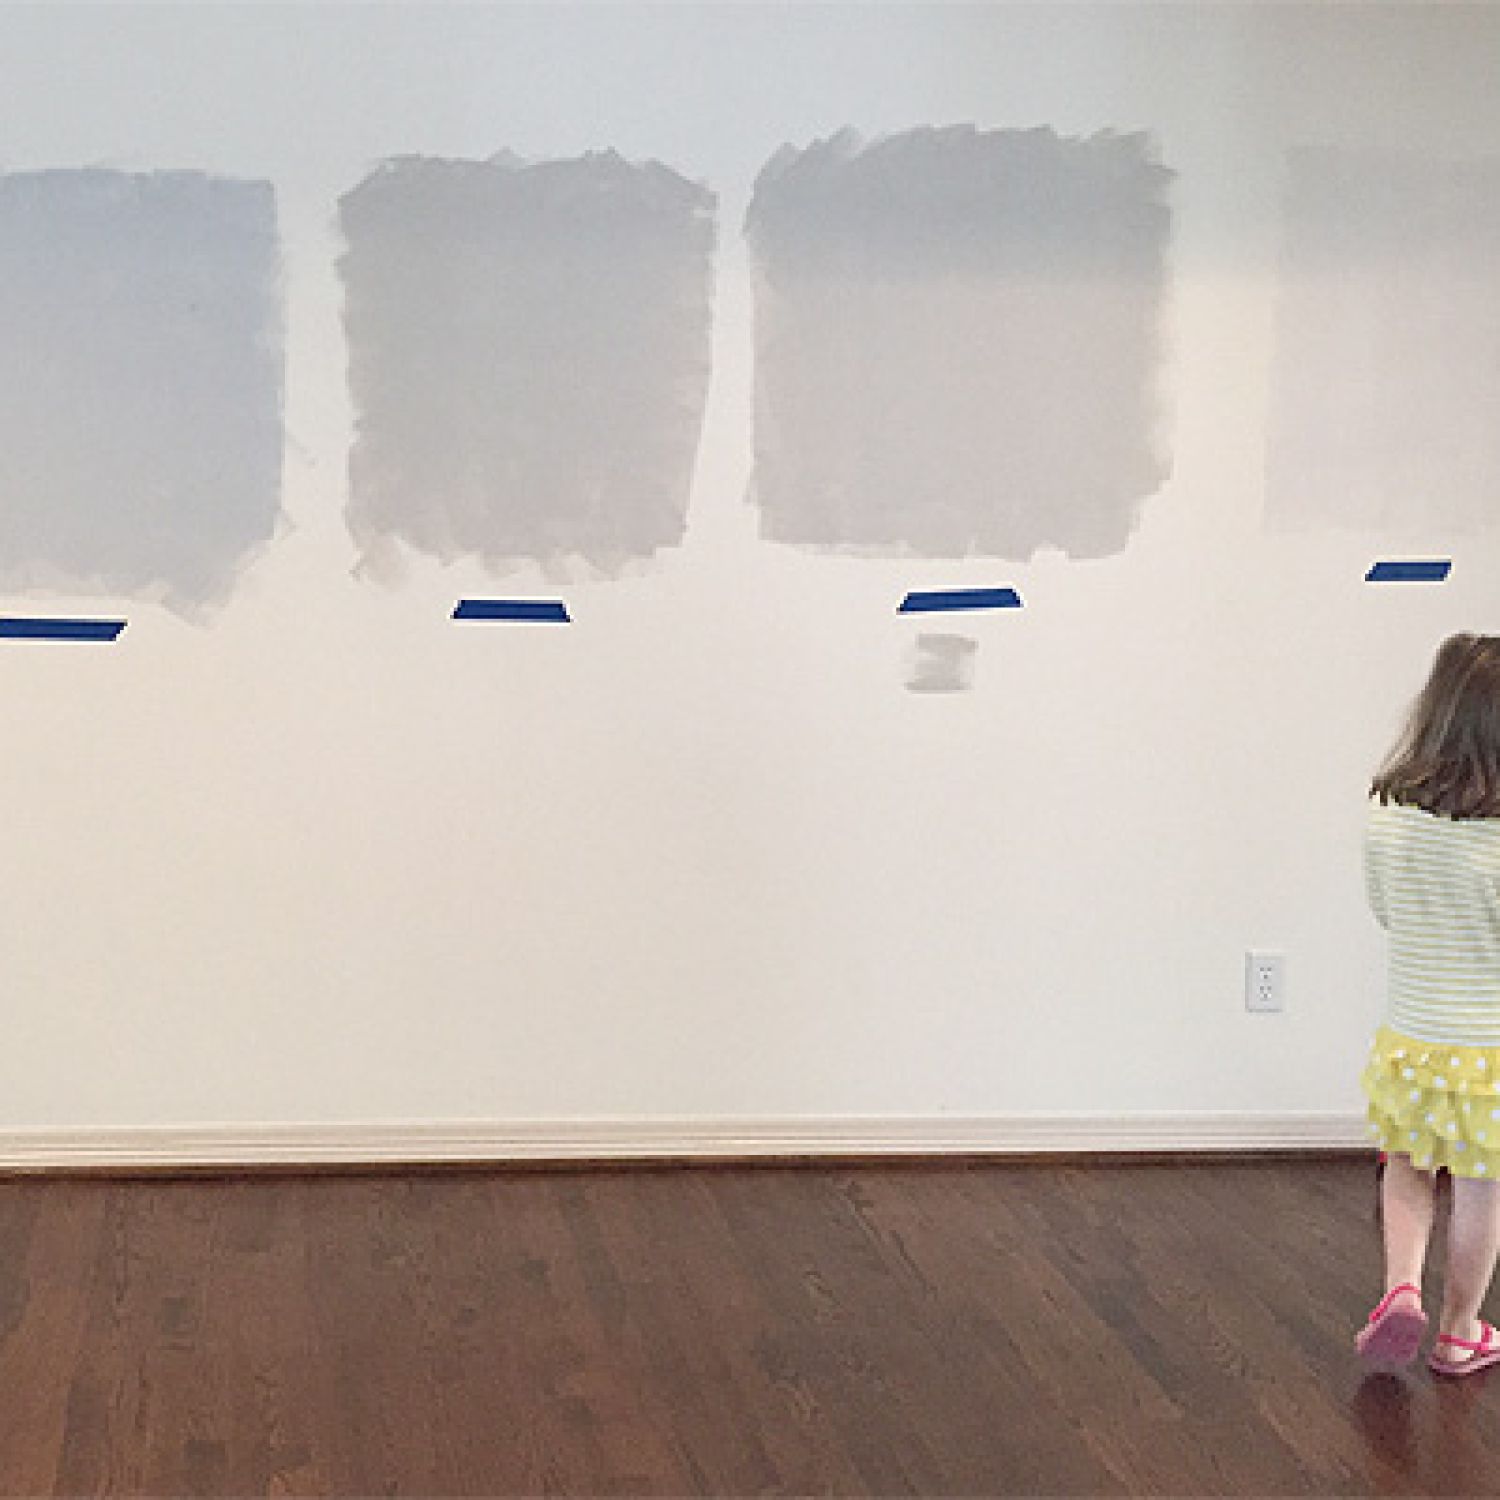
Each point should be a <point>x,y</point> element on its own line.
<point>1447,760</point>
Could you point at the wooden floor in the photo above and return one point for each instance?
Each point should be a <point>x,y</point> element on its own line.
<point>907,1331</point>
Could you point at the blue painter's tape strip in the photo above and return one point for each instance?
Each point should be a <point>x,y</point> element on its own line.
<point>1434,571</point>
<point>547,611</point>
<point>42,629</point>
<point>944,600</point>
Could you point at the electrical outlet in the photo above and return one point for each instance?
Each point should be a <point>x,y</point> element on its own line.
<point>1265,981</point>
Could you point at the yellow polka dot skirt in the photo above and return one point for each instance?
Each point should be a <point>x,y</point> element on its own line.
<point>1437,1104</point>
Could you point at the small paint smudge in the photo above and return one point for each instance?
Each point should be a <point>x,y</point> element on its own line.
<point>942,664</point>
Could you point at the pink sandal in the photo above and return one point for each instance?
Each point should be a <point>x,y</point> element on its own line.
<point>1483,1354</point>
<point>1393,1335</point>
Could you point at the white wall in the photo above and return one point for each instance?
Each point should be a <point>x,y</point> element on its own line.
<point>330,858</point>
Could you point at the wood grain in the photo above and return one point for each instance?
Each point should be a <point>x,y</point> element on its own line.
<point>882,1330</point>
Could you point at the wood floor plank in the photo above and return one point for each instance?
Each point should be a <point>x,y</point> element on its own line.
<point>54,1237</point>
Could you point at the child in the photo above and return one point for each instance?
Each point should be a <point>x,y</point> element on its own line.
<point>1432,871</point>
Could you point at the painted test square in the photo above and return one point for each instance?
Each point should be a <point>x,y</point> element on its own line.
<point>958,342</point>
<point>1385,380</point>
<point>141,378</point>
<point>529,349</point>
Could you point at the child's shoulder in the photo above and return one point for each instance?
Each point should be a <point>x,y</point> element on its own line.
<point>1431,825</point>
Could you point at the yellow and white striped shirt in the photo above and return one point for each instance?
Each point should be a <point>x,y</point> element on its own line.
<point>1434,885</point>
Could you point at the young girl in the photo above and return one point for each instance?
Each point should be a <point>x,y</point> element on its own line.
<point>1432,869</point>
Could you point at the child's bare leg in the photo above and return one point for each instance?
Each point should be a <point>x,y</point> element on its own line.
<point>1473,1240</point>
<point>1406,1202</point>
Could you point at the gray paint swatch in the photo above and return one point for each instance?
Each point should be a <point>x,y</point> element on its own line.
<point>1385,390</point>
<point>958,340</point>
<point>529,358</point>
<point>141,375</point>
<point>943,664</point>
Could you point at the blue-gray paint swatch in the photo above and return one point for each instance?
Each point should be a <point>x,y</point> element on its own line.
<point>958,342</point>
<point>529,350</point>
<point>141,378</point>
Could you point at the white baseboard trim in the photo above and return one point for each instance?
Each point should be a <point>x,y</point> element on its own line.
<point>163,1148</point>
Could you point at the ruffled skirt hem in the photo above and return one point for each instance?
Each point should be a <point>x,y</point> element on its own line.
<point>1437,1104</point>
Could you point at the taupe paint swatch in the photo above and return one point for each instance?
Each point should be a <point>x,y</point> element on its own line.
<point>958,339</point>
<point>529,353</point>
<point>141,375</point>
<point>1385,389</point>
<point>943,664</point>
